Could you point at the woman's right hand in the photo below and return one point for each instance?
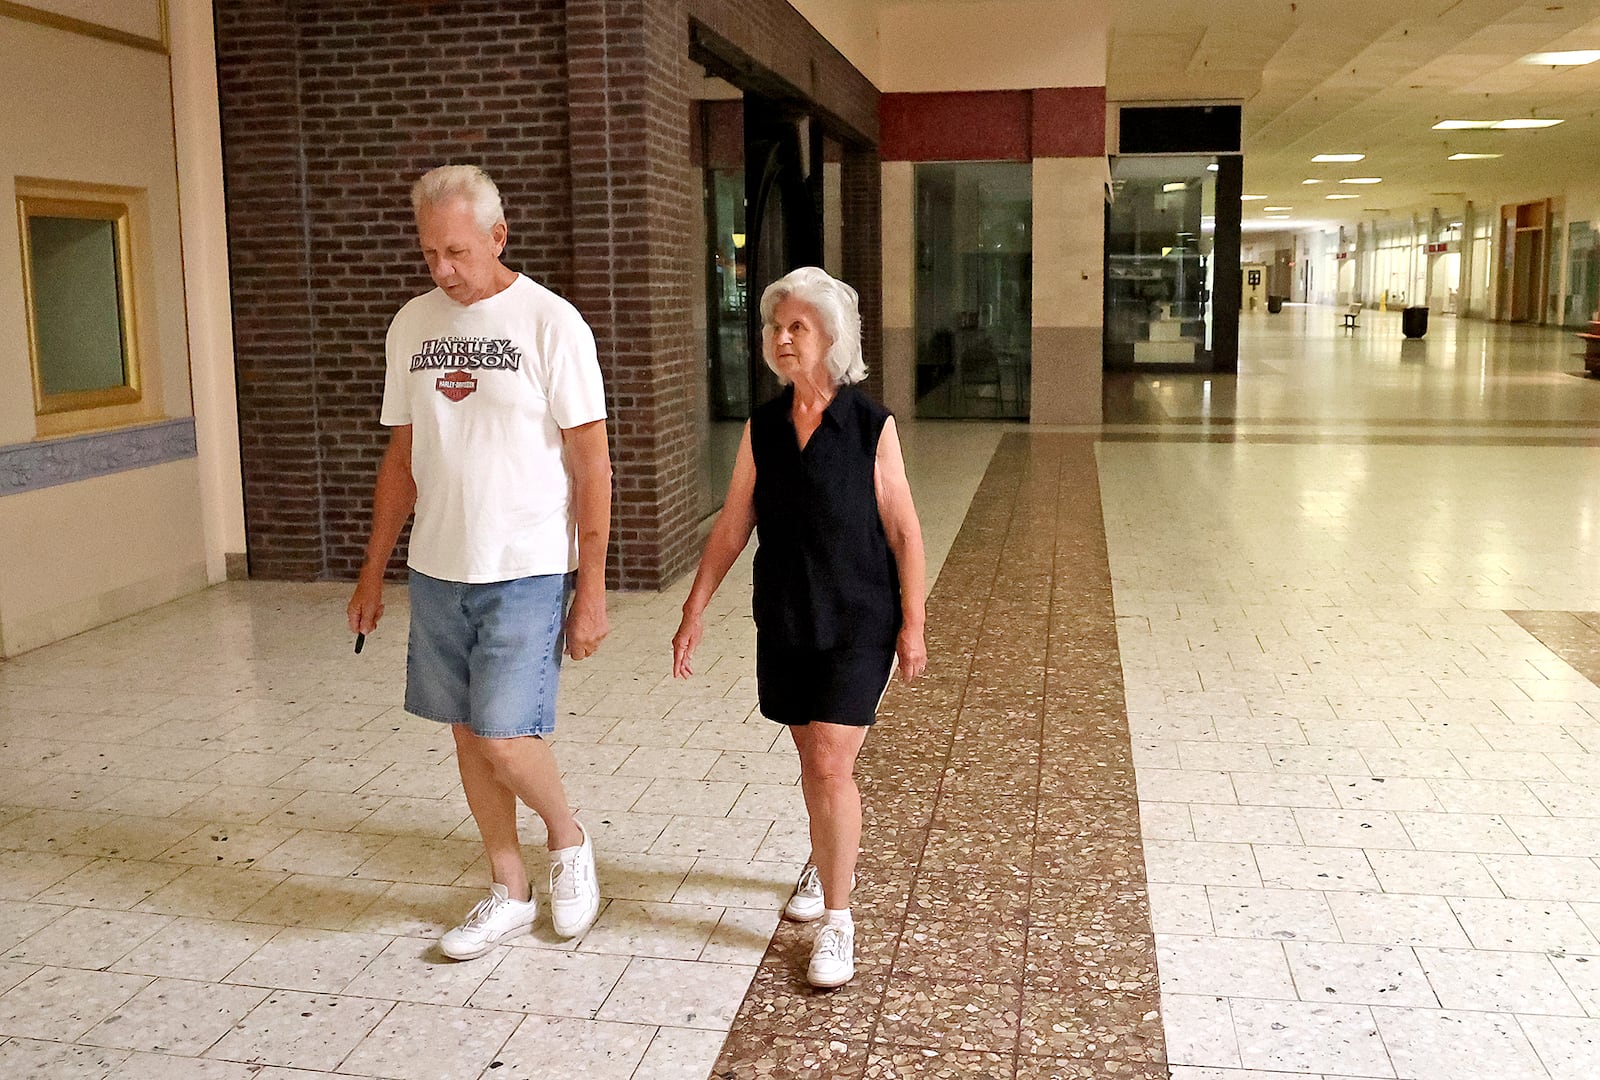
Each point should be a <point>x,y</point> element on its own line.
<point>683,644</point>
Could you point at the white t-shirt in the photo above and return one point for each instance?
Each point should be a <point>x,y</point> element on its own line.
<point>487,388</point>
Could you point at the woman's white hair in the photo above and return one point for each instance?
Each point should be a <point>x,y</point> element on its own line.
<point>468,183</point>
<point>836,306</point>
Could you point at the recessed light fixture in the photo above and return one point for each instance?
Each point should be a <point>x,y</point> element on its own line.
<point>1310,180</point>
<point>1213,167</point>
<point>1572,58</point>
<point>1175,186</point>
<point>1362,180</point>
<point>1341,196</point>
<point>1339,157</point>
<point>1276,209</point>
<point>1252,198</point>
<point>1463,125</point>
<point>1524,122</point>
<point>1472,157</point>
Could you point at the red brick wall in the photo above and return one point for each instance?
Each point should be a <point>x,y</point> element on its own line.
<point>330,109</point>
<point>580,110</point>
<point>861,191</point>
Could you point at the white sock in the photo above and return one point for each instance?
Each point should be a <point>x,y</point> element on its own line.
<point>839,917</point>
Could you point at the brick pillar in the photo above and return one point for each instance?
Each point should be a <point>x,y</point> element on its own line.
<point>633,200</point>
<point>273,327</point>
<point>861,191</point>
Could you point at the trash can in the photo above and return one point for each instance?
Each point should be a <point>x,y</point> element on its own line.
<point>1274,304</point>
<point>1414,322</point>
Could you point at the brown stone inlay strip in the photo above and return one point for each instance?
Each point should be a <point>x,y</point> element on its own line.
<point>1002,918</point>
<point>1572,635</point>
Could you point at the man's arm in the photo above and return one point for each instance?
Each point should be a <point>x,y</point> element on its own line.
<point>393,498</point>
<point>588,455</point>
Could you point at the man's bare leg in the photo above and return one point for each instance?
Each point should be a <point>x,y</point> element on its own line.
<point>495,773</point>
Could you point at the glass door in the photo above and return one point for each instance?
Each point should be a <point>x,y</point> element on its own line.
<point>974,290</point>
<point>1160,231</point>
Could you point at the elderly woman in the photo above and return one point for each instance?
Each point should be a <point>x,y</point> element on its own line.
<point>838,577</point>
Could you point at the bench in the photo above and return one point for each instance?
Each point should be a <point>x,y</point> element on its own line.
<point>1350,314</point>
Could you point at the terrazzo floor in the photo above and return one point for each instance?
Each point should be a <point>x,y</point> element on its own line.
<point>1258,743</point>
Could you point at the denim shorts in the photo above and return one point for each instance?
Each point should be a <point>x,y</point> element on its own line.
<point>487,655</point>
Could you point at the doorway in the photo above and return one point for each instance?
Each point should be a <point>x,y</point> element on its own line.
<point>1523,262</point>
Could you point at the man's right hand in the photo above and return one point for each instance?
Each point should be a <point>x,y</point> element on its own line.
<point>365,607</point>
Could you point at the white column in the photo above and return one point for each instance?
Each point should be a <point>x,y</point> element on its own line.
<point>198,131</point>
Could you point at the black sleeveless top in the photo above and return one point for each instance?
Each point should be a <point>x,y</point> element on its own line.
<point>824,575</point>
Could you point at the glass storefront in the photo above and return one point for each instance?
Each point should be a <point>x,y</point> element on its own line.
<point>974,290</point>
<point>1160,232</point>
<point>1583,275</point>
<point>727,335</point>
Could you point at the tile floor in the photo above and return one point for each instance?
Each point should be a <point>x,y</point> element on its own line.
<point>1370,820</point>
<point>225,852</point>
<point>1371,810</point>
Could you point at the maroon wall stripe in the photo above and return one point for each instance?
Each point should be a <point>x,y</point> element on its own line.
<point>1069,121</point>
<point>983,125</point>
<point>993,125</point>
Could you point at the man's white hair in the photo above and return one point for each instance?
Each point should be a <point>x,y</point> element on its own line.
<point>838,309</point>
<point>467,183</point>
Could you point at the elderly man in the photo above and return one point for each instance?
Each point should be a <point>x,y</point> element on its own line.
<point>498,440</point>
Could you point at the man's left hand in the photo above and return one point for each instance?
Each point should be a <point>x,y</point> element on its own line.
<point>587,626</point>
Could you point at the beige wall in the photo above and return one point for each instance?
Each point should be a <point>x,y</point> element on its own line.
<point>899,338</point>
<point>80,555</point>
<point>1068,289</point>
<point>77,554</point>
<point>1012,45</point>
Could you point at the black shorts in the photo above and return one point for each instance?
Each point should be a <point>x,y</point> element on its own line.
<point>835,686</point>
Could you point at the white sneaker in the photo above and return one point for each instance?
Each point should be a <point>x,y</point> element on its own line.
<point>833,957</point>
<point>806,903</point>
<point>574,890</point>
<point>495,918</point>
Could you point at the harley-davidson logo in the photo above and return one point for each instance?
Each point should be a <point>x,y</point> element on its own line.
<point>456,385</point>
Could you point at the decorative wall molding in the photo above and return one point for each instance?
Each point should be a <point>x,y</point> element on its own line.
<point>31,466</point>
<point>59,21</point>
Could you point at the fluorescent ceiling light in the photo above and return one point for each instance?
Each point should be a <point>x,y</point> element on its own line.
<point>1573,58</point>
<point>1362,180</point>
<point>1277,217</point>
<point>1339,157</point>
<point>1339,196</point>
<point>1310,181</point>
<point>1276,209</point>
<point>1472,157</point>
<point>1251,198</point>
<point>1525,122</point>
<point>1462,125</point>
<point>1178,186</point>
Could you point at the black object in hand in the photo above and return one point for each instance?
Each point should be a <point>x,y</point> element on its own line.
<point>361,639</point>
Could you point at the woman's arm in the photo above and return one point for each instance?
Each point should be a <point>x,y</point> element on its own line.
<point>728,537</point>
<point>904,533</point>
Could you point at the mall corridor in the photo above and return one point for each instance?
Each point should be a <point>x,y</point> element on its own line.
<point>1257,743</point>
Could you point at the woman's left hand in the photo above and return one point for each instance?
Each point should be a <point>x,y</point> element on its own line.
<point>913,653</point>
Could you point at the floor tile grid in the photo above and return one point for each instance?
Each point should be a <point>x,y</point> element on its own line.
<point>341,971</point>
<point>163,763</point>
<point>1068,988</point>
<point>1510,726</point>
